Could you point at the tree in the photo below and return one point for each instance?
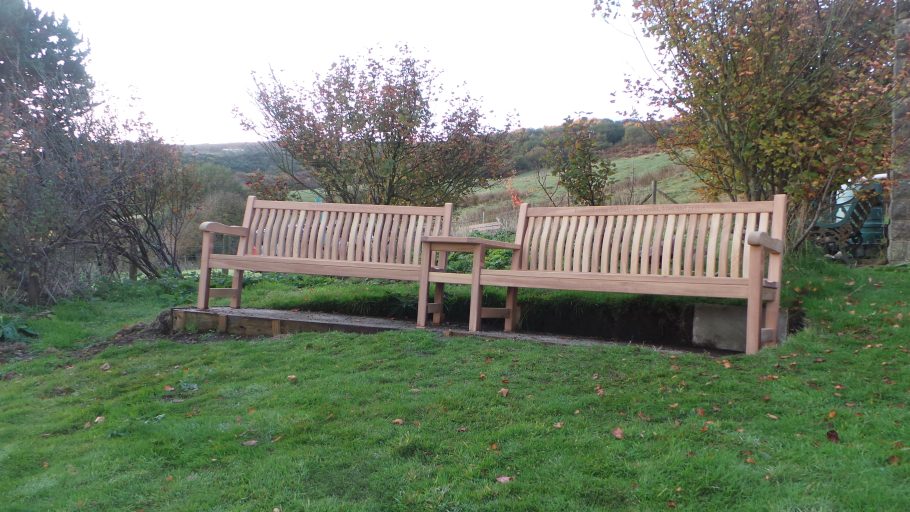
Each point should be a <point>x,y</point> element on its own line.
<point>44,97</point>
<point>574,158</point>
<point>74,195</point>
<point>772,96</point>
<point>366,132</point>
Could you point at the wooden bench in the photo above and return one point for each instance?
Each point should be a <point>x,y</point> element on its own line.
<point>346,240</point>
<point>729,250</point>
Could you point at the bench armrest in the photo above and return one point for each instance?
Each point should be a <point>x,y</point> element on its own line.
<point>760,238</point>
<point>217,227</point>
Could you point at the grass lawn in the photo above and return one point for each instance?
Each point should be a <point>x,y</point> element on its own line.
<point>412,421</point>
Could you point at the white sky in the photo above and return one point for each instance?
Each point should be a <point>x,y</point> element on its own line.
<point>188,62</point>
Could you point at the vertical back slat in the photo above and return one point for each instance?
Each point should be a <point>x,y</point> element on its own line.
<point>700,241</point>
<point>615,243</point>
<point>657,244</point>
<point>578,244</point>
<point>748,228</point>
<point>559,256</point>
<point>631,221</point>
<point>606,247</point>
<point>667,252</point>
<point>409,240</point>
<point>312,232</point>
<point>255,232</point>
<point>680,238</point>
<point>597,242</point>
<point>542,244</point>
<point>635,255</point>
<point>711,264</point>
<point>570,243</point>
<point>267,236</point>
<point>393,241</point>
<point>692,222</point>
<point>589,258</point>
<point>645,249</point>
<point>723,260</point>
<point>552,237</point>
<point>736,245</point>
<point>418,233</point>
<point>534,227</point>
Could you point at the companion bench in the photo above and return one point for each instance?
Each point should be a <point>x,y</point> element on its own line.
<point>347,240</point>
<point>731,250</point>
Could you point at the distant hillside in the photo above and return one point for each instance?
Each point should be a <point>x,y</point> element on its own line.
<point>243,157</point>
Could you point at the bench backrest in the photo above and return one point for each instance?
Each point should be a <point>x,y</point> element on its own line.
<point>341,232</point>
<point>697,239</point>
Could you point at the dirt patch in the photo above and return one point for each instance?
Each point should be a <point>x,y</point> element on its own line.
<point>11,351</point>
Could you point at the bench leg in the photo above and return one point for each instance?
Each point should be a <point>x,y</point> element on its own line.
<point>512,306</point>
<point>772,317</point>
<point>237,286</point>
<point>438,297</point>
<point>202,301</point>
<point>753,297</point>
<point>423,291</point>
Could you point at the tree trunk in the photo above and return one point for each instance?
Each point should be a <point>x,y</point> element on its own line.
<point>899,205</point>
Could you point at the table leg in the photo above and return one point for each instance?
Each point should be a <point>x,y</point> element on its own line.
<point>476,290</point>
<point>424,286</point>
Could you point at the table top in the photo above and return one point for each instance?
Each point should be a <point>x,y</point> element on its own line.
<point>469,241</point>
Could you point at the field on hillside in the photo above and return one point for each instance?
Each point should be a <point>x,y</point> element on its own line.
<point>633,184</point>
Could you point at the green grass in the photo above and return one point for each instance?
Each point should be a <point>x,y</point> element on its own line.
<point>698,433</point>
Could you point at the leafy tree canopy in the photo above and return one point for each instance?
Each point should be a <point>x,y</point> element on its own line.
<point>772,96</point>
<point>369,131</point>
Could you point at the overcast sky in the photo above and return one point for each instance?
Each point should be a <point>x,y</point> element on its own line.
<point>189,61</point>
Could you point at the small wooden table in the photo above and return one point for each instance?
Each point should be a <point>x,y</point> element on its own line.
<point>478,247</point>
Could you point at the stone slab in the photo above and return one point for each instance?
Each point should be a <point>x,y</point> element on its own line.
<point>723,327</point>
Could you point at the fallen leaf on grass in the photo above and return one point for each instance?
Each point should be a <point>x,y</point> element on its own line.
<point>894,460</point>
<point>726,362</point>
<point>766,378</point>
<point>168,387</point>
<point>250,442</point>
<point>462,429</point>
<point>398,421</point>
<point>504,479</point>
<point>699,411</point>
<point>559,424</point>
<point>671,504</point>
<point>833,436</point>
<point>773,417</point>
<point>599,390</point>
<point>505,381</point>
<point>105,367</point>
<point>750,460</point>
<point>483,376</point>
<point>292,379</point>
<point>494,447</point>
<point>99,419</point>
<point>832,414</point>
<point>504,392</point>
<point>618,433</point>
<point>276,439</point>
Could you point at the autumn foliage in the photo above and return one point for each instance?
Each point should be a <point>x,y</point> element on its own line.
<point>772,96</point>
<point>369,131</point>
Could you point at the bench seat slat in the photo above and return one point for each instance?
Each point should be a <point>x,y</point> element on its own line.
<point>620,283</point>
<point>316,267</point>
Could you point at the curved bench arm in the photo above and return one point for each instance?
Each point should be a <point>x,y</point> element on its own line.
<point>217,227</point>
<point>760,238</point>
